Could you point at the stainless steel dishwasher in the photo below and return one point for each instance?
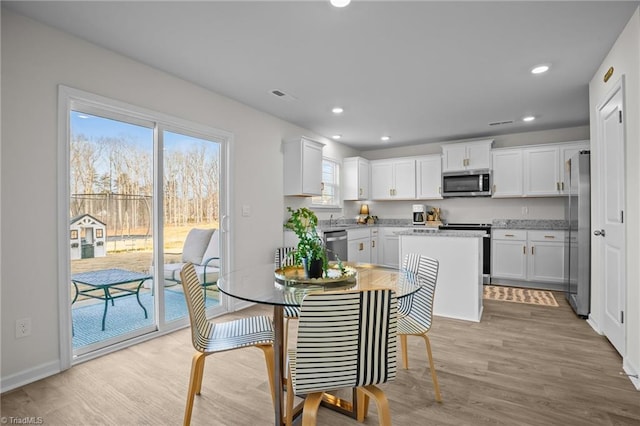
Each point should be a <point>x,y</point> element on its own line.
<point>336,242</point>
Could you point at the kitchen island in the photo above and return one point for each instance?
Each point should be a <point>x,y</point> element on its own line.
<point>459,287</point>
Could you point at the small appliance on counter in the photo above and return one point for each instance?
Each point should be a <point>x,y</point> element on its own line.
<point>419,214</point>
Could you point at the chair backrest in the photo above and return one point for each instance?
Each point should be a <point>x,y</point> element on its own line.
<point>346,339</point>
<point>196,244</point>
<point>200,326</point>
<point>420,305</point>
<point>282,257</point>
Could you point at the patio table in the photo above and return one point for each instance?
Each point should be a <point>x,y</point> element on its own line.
<point>105,280</point>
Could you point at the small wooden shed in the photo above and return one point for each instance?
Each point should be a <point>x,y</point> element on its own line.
<point>88,237</point>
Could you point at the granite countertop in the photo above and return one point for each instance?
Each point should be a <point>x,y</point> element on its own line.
<point>438,233</point>
<point>547,224</point>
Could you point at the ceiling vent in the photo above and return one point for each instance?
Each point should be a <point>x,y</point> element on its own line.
<point>282,95</point>
<point>501,123</point>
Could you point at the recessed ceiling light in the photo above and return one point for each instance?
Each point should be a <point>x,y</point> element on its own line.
<point>385,138</point>
<point>340,3</point>
<point>540,69</point>
<point>529,118</point>
<point>82,116</point>
<point>336,137</point>
<point>337,110</point>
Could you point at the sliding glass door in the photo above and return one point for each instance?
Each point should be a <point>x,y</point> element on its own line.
<point>145,196</point>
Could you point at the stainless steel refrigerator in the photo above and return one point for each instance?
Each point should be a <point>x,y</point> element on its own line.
<point>578,240</point>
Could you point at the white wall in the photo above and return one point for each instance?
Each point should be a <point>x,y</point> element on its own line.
<point>35,60</point>
<point>625,58</point>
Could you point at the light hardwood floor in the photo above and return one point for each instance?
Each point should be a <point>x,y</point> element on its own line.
<point>521,365</point>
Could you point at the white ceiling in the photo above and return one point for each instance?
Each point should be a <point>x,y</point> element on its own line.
<point>419,71</point>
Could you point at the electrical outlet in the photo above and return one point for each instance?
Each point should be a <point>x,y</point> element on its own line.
<point>23,327</point>
<point>525,211</point>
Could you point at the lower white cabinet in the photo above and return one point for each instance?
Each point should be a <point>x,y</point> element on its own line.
<point>389,254</point>
<point>535,257</point>
<point>359,245</point>
<point>374,246</point>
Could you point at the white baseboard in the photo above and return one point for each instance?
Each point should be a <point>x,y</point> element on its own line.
<point>29,376</point>
<point>633,372</point>
<point>594,324</point>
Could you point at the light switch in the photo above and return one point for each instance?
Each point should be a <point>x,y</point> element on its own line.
<point>246,210</point>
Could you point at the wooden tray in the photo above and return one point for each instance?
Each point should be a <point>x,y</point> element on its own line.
<point>295,276</point>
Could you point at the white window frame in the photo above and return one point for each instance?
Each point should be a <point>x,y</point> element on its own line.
<point>325,201</point>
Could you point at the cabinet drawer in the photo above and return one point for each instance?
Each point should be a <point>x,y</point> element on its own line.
<point>354,234</point>
<point>550,236</point>
<point>508,234</point>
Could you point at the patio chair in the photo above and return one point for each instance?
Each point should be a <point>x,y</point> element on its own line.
<point>415,315</point>
<point>346,339</point>
<point>209,338</point>
<point>202,249</point>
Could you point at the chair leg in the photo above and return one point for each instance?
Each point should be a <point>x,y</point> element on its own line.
<point>363,405</point>
<point>403,347</point>
<point>197,364</point>
<point>290,398</point>
<point>268,357</point>
<point>432,367</point>
<point>310,409</point>
<point>199,375</point>
<point>384,414</point>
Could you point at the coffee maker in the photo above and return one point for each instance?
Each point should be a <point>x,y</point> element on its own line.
<point>419,214</point>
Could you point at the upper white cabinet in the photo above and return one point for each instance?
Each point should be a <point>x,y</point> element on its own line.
<point>507,173</point>
<point>467,156</point>
<point>545,168</point>
<point>303,167</point>
<point>393,179</point>
<point>355,184</point>
<point>428,177</point>
<point>541,171</point>
<point>534,171</point>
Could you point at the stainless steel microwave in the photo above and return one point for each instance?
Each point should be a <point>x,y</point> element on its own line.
<point>467,183</point>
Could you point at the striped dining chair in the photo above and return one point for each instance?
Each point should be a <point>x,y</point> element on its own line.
<point>284,257</point>
<point>209,338</point>
<point>345,339</point>
<point>416,312</point>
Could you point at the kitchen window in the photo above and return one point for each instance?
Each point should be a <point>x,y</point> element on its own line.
<point>330,197</point>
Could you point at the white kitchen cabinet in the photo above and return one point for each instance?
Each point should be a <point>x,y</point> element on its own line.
<point>507,173</point>
<point>466,156</point>
<point>534,171</point>
<point>374,245</point>
<point>389,254</point>
<point>355,183</point>
<point>535,258</point>
<point>546,256</point>
<point>429,177</point>
<point>541,171</point>
<point>302,167</point>
<point>393,179</point>
<point>509,254</point>
<point>359,245</point>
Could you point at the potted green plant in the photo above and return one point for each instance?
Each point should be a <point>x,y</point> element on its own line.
<point>311,251</point>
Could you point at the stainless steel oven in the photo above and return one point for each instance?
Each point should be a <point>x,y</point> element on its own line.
<point>486,243</point>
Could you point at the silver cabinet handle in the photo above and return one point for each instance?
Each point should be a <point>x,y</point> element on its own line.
<point>599,232</point>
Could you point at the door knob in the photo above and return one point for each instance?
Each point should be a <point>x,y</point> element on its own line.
<point>599,232</point>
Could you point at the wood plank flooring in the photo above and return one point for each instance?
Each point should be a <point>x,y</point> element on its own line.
<point>521,365</point>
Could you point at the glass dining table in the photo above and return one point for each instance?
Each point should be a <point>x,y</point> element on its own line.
<point>260,284</point>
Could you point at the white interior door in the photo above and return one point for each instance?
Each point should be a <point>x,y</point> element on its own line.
<point>612,228</point>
